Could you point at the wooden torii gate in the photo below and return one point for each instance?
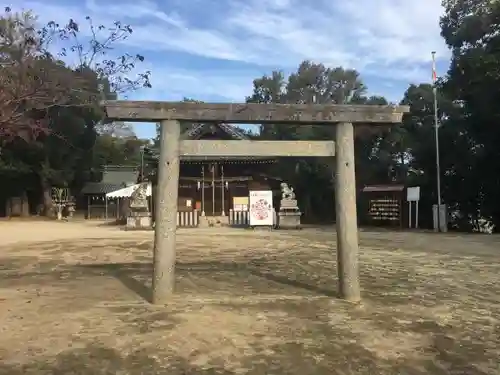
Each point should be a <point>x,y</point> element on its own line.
<point>170,114</point>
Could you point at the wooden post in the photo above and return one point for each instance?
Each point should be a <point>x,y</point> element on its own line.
<point>347,226</point>
<point>416,215</point>
<point>166,212</point>
<point>409,215</point>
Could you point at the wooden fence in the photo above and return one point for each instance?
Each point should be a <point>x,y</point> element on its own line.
<point>188,219</point>
<point>241,219</point>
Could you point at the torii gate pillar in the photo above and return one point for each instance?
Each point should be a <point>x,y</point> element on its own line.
<point>167,192</point>
<point>346,214</point>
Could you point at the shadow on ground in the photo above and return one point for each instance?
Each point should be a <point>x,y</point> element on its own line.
<point>210,278</point>
<point>399,332</point>
<point>292,358</point>
<point>100,360</point>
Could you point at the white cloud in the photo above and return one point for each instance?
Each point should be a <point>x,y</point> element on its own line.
<point>391,39</point>
<point>173,83</point>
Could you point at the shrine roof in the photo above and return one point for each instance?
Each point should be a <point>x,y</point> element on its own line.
<point>99,188</point>
<point>213,131</point>
<point>199,130</point>
<point>383,188</point>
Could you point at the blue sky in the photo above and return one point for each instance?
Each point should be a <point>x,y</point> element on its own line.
<point>212,50</point>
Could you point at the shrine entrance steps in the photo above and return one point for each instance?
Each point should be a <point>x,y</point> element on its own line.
<point>214,221</point>
<point>234,219</point>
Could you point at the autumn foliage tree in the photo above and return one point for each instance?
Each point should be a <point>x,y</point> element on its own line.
<point>52,78</point>
<point>56,66</point>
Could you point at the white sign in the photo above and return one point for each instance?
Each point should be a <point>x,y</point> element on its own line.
<point>261,208</point>
<point>413,194</point>
<point>240,207</point>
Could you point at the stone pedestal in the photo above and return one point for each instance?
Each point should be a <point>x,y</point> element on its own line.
<point>289,214</point>
<point>140,220</point>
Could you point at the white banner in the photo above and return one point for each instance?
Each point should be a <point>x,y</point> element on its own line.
<point>413,194</point>
<point>261,208</point>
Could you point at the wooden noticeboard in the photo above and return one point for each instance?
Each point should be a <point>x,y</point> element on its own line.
<point>385,209</point>
<point>384,204</point>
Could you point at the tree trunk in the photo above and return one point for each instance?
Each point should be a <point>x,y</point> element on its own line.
<point>25,207</point>
<point>48,205</point>
<point>308,212</point>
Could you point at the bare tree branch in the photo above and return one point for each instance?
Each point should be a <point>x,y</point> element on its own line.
<point>34,80</point>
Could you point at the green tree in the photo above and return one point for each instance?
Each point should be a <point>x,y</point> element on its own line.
<point>315,83</point>
<point>471,30</point>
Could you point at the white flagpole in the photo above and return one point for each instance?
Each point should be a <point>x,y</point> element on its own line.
<point>436,132</point>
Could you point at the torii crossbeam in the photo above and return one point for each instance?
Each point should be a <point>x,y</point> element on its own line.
<point>170,114</point>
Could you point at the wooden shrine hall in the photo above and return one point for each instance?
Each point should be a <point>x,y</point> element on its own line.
<point>213,185</point>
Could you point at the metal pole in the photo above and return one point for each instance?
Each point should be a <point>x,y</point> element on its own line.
<point>142,163</point>
<point>436,132</point>
<point>203,190</point>
<point>213,189</point>
<point>223,187</point>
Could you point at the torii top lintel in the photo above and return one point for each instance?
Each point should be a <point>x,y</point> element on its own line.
<point>253,113</point>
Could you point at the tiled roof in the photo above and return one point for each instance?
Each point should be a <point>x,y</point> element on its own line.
<point>120,177</point>
<point>114,177</point>
<point>152,155</point>
<point>198,129</point>
<point>95,188</point>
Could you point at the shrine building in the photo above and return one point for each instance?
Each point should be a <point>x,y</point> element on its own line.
<point>214,186</point>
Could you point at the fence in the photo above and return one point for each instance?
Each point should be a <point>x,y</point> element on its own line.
<point>241,219</point>
<point>188,219</point>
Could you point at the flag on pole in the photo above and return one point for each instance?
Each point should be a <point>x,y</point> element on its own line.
<point>434,74</point>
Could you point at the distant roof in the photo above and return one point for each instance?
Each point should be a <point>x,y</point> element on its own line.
<point>114,177</point>
<point>119,176</point>
<point>199,129</point>
<point>383,188</point>
<point>97,188</point>
<point>127,192</point>
<point>116,167</point>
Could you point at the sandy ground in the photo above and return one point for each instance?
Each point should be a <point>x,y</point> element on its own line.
<point>73,300</point>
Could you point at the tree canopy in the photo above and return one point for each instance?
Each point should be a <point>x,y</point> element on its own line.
<point>52,131</point>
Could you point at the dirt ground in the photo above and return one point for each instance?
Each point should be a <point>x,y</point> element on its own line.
<point>73,300</point>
